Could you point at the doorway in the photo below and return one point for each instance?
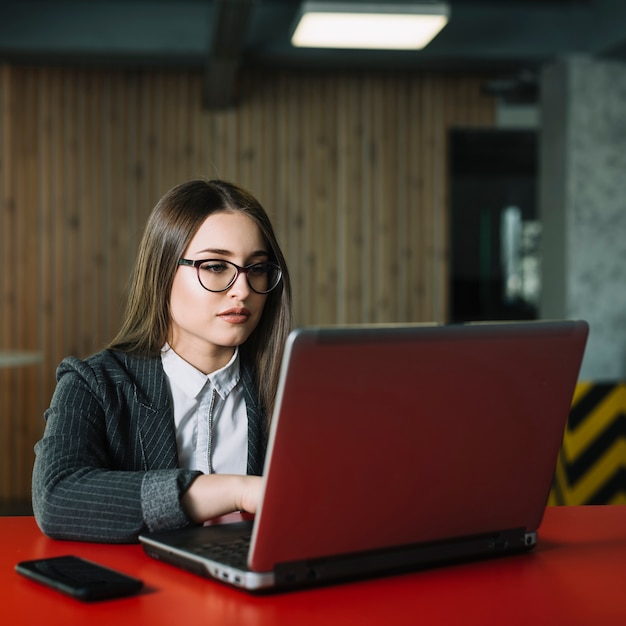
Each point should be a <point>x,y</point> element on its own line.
<point>495,235</point>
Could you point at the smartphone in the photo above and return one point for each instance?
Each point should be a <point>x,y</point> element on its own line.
<point>80,578</point>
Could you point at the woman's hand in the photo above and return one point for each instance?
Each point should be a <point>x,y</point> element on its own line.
<point>213,495</point>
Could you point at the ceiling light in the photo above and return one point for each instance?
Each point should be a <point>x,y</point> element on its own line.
<point>369,25</point>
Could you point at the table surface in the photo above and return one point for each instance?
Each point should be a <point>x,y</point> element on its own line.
<point>576,575</point>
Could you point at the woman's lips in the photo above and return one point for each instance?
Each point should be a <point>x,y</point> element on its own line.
<point>235,316</point>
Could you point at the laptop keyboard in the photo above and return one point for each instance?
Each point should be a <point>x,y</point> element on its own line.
<point>233,553</point>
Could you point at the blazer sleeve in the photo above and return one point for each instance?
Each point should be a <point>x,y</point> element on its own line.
<point>106,467</point>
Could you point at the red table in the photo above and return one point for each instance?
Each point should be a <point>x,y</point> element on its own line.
<point>577,575</point>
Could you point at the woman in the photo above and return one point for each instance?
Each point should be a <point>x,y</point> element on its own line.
<point>167,426</point>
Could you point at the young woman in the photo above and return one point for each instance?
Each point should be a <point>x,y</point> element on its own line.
<point>167,426</point>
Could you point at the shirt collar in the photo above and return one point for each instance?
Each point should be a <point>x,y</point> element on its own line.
<point>192,381</point>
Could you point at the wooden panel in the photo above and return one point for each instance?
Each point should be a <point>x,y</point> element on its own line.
<point>20,265</point>
<point>6,304</point>
<point>352,168</point>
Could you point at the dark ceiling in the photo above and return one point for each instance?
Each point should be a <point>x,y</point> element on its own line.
<point>503,37</point>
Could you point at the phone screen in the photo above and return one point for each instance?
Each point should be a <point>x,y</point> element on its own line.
<point>79,577</point>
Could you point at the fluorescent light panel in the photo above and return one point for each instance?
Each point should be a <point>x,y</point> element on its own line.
<point>381,26</point>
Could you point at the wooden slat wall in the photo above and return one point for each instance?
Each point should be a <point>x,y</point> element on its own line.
<point>351,167</point>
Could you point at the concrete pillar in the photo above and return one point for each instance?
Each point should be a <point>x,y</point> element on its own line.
<point>582,205</point>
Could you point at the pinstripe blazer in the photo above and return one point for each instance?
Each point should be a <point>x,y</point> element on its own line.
<point>106,467</point>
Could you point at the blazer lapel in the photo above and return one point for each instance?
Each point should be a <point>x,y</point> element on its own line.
<point>152,412</point>
<point>257,439</point>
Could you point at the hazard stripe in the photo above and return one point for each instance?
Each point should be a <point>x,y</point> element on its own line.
<point>586,401</point>
<point>591,468</point>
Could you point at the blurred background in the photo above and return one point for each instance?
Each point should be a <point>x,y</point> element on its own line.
<point>480,178</point>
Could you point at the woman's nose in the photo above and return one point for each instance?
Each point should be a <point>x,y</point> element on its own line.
<point>240,287</point>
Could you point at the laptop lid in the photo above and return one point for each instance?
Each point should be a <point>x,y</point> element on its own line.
<point>388,438</point>
<point>385,436</point>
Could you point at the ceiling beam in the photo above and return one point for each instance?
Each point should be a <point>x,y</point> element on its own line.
<point>229,26</point>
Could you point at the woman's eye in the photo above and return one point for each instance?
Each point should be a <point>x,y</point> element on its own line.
<point>258,270</point>
<point>214,268</point>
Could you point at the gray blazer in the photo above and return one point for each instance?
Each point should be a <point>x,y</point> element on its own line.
<point>106,467</point>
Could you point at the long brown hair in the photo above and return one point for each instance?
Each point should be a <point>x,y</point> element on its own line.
<point>170,227</point>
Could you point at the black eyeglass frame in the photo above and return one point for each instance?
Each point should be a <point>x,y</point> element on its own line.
<point>240,270</point>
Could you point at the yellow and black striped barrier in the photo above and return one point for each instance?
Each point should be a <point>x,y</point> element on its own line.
<point>591,468</point>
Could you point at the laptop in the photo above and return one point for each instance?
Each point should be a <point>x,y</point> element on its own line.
<point>397,447</point>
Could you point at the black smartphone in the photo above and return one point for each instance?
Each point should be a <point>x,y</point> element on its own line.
<point>79,577</point>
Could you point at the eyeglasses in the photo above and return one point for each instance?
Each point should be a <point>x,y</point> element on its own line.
<point>218,275</point>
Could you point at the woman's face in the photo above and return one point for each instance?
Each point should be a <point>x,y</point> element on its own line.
<point>205,325</point>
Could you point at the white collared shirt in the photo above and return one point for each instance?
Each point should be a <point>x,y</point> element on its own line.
<point>209,414</point>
